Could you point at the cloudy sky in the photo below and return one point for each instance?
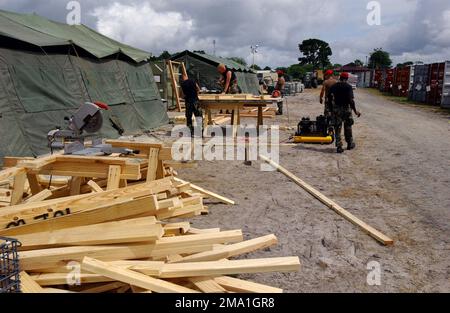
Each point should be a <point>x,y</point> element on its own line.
<point>416,30</point>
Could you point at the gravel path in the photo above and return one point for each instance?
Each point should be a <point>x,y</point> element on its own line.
<point>397,180</point>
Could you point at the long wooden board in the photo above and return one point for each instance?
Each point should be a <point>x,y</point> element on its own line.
<point>331,204</point>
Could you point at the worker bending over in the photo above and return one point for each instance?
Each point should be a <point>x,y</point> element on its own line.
<point>281,83</point>
<point>229,80</point>
<point>190,91</point>
<point>327,84</point>
<point>340,104</point>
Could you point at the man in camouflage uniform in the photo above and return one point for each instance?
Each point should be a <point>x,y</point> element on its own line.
<point>340,105</point>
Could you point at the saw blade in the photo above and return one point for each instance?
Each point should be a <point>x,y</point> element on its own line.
<point>94,123</point>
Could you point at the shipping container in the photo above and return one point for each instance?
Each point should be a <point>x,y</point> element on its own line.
<point>401,81</point>
<point>435,83</point>
<point>446,87</point>
<point>378,77</point>
<point>387,80</point>
<point>418,91</point>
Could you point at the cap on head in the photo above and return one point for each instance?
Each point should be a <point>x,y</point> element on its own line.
<point>329,73</point>
<point>280,73</point>
<point>221,68</point>
<point>345,75</point>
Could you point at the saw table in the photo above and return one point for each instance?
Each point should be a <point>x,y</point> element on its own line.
<point>235,103</point>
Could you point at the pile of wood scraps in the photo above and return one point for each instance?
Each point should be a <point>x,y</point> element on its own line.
<point>120,224</point>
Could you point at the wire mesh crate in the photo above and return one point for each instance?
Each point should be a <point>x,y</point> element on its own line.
<point>9,266</point>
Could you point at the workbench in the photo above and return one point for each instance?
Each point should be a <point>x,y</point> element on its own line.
<point>235,103</point>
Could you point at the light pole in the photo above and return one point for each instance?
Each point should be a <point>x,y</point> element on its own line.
<point>254,50</point>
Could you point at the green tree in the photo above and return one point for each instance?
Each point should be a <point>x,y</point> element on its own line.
<point>337,65</point>
<point>380,59</point>
<point>316,53</point>
<point>267,68</point>
<point>238,60</point>
<point>358,62</point>
<point>165,55</point>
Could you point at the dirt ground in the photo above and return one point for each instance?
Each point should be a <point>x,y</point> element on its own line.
<point>397,180</point>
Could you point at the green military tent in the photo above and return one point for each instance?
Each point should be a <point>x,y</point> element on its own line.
<point>48,69</point>
<point>204,69</point>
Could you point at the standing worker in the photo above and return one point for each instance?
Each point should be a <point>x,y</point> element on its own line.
<point>281,83</point>
<point>229,80</point>
<point>341,103</point>
<point>327,84</point>
<point>190,91</point>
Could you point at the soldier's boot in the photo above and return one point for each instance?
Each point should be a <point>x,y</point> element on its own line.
<point>351,146</point>
<point>280,108</point>
<point>340,149</point>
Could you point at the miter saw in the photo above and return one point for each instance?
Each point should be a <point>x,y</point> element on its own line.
<point>88,118</point>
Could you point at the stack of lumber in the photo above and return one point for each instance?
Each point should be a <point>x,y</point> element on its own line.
<point>252,112</point>
<point>113,224</point>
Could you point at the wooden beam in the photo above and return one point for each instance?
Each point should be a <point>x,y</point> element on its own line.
<point>331,204</point>
<point>33,181</point>
<point>18,187</point>
<point>126,231</point>
<point>243,286</point>
<point>218,268</point>
<point>28,285</point>
<point>207,285</point>
<point>41,196</point>
<point>75,186</point>
<point>110,211</point>
<point>208,193</point>
<point>131,277</point>
<point>174,85</point>
<point>153,159</point>
<point>94,186</point>
<point>114,177</point>
<point>104,288</point>
<point>55,279</point>
<point>229,251</point>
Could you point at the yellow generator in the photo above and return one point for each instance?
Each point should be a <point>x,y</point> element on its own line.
<point>320,131</point>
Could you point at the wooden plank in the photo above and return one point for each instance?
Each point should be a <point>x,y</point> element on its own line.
<point>104,288</point>
<point>229,251</point>
<point>153,159</point>
<point>55,279</point>
<point>131,277</point>
<point>41,196</point>
<point>94,186</point>
<point>28,285</point>
<point>243,286</point>
<point>47,258</point>
<point>34,183</point>
<point>56,290</point>
<point>114,177</point>
<point>9,162</point>
<point>126,231</point>
<point>219,268</point>
<point>177,228</point>
<point>208,193</point>
<point>331,204</point>
<point>18,187</point>
<point>207,285</point>
<point>174,85</point>
<point>114,210</point>
<point>25,214</point>
<point>75,186</point>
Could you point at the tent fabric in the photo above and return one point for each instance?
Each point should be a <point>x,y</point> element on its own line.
<point>203,68</point>
<point>37,91</point>
<point>38,31</point>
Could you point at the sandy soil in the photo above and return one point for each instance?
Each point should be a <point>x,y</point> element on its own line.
<point>397,180</point>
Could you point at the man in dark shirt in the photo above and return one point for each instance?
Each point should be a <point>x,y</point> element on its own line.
<point>190,91</point>
<point>229,80</point>
<point>340,104</point>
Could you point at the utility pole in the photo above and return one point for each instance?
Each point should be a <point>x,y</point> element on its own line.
<point>214,44</point>
<point>254,50</point>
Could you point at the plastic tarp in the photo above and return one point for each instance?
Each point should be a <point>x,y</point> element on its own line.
<point>37,91</point>
<point>41,32</point>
